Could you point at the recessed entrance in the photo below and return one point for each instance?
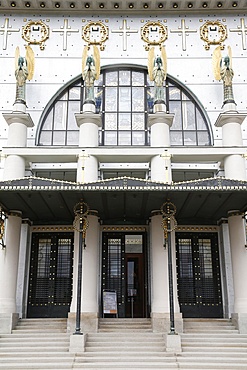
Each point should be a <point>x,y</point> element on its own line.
<point>50,281</point>
<point>199,285</point>
<point>123,271</point>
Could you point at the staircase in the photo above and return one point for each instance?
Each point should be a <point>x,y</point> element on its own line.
<point>36,344</point>
<point>212,344</point>
<point>125,344</point>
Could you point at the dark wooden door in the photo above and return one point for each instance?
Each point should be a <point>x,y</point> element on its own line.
<point>134,285</point>
<point>198,268</point>
<point>50,281</point>
<point>123,271</point>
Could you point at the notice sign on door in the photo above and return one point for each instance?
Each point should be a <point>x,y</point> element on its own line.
<point>110,302</point>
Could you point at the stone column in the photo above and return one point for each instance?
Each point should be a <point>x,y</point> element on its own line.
<point>23,269</point>
<point>231,121</point>
<point>237,232</point>
<point>160,123</point>
<point>18,121</point>
<point>160,310</point>
<point>8,272</point>
<point>90,278</point>
<point>226,268</point>
<point>89,123</point>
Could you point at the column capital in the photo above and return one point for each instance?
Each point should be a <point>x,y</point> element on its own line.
<point>17,117</point>
<point>235,213</point>
<point>87,117</point>
<point>160,117</point>
<point>229,117</point>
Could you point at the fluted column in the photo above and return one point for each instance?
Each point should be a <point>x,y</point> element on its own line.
<point>160,285</point>
<point>237,234</point>
<point>8,272</point>
<point>90,278</point>
<point>19,122</point>
<point>230,121</point>
<point>87,166</point>
<point>160,123</point>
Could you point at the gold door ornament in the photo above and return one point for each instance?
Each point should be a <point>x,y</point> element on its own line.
<point>36,33</point>
<point>153,34</point>
<point>213,33</point>
<point>95,33</point>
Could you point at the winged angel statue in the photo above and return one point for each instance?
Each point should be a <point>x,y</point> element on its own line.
<point>222,68</point>
<point>157,70</point>
<point>90,71</point>
<point>24,70</point>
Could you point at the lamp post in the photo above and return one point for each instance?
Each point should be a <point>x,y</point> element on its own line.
<point>169,224</point>
<point>80,224</point>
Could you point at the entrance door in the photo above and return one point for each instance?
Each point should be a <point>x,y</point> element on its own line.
<point>123,271</point>
<point>199,285</point>
<point>50,281</point>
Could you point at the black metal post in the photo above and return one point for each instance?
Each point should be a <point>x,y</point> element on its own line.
<point>170,276</point>
<point>79,281</point>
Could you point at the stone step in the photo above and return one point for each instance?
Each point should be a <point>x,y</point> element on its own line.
<point>125,348</point>
<point>124,330</point>
<point>36,348</point>
<point>212,349</point>
<point>40,330</point>
<point>211,366</point>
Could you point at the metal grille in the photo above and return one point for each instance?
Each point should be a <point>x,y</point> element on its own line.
<point>113,268</point>
<point>50,283</point>
<point>199,285</point>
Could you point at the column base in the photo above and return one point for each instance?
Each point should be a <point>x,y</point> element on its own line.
<point>77,343</point>
<point>173,343</point>
<point>239,320</point>
<point>89,322</point>
<point>8,322</point>
<point>161,322</point>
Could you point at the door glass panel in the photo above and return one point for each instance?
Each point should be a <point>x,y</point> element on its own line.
<point>133,244</point>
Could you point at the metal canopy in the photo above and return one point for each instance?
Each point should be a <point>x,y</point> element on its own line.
<point>123,200</point>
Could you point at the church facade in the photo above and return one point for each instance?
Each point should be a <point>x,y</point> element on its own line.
<point>123,162</point>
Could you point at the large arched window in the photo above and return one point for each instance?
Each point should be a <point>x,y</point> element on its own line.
<point>124,98</point>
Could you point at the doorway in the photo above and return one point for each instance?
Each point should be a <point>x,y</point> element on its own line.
<point>198,269</point>
<point>50,280</point>
<point>124,272</point>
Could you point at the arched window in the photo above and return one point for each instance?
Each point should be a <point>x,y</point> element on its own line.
<point>124,98</point>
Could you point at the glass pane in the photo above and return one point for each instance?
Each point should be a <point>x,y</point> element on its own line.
<point>60,115</point>
<point>174,93</point>
<point>111,79</point>
<point>188,115</point>
<point>74,107</point>
<point>124,99</point>
<point>133,243</point>
<point>176,138</point>
<point>124,138</point>
<point>138,121</point>
<point>73,138</point>
<point>110,121</point>
<point>184,97</point>
<point>189,138</point>
<point>137,78</point>
<point>110,98</point>
<point>110,138</point>
<point>138,138</point>
<point>201,124</point>
<point>137,99</point>
<point>75,93</point>
<point>175,107</point>
<point>203,138</point>
<point>124,77</point>
<point>59,137</point>
<point>45,138</point>
<point>64,96</point>
<point>47,125</point>
<point>124,121</point>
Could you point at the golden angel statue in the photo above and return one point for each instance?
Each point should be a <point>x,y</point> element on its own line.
<point>222,68</point>
<point>90,71</point>
<point>24,70</point>
<point>157,70</point>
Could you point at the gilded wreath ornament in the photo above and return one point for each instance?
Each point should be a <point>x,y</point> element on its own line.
<point>222,34</point>
<point>104,34</point>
